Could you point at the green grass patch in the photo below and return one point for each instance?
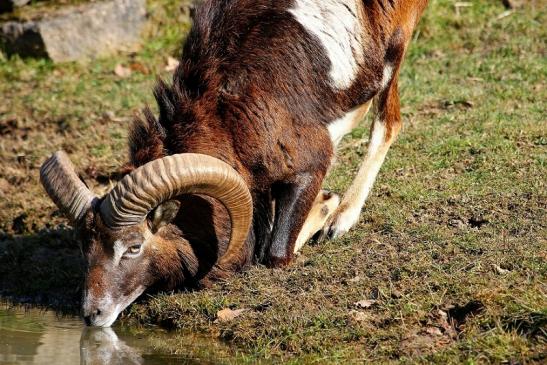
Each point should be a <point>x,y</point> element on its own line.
<point>451,244</point>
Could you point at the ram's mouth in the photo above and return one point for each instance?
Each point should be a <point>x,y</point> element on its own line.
<point>108,317</point>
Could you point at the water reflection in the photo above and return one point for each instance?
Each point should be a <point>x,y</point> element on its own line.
<point>100,346</point>
<point>35,337</point>
<point>32,337</point>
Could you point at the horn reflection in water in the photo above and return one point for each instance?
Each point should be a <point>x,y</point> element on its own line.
<point>100,346</point>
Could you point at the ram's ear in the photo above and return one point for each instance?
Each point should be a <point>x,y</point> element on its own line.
<point>164,214</point>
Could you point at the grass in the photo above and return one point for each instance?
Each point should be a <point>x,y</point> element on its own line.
<point>452,242</point>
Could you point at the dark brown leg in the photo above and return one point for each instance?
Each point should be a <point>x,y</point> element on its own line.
<point>293,202</point>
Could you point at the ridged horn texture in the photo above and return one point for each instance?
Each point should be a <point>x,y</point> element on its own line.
<point>64,187</point>
<point>160,180</point>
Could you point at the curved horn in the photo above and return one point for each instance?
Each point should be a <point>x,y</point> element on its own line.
<point>148,186</point>
<point>64,187</point>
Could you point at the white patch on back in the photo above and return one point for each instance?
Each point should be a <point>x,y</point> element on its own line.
<point>336,24</point>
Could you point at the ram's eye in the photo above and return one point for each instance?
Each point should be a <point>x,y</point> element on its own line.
<point>133,250</point>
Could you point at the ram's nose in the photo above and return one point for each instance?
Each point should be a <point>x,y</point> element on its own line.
<point>91,317</point>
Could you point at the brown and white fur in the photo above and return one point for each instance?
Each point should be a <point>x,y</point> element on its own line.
<point>273,86</point>
<point>365,42</point>
<point>269,88</point>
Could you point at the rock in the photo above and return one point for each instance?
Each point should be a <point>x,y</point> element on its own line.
<point>77,32</point>
<point>9,5</point>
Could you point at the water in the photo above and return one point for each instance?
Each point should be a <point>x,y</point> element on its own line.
<point>41,337</point>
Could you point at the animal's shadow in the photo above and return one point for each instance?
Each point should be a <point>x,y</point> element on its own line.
<point>44,269</point>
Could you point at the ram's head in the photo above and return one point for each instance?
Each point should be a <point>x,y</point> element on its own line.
<point>120,232</point>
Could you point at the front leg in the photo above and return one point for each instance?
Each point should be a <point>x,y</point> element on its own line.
<point>324,206</point>
<point>385,129</point>
<point>293,202</point>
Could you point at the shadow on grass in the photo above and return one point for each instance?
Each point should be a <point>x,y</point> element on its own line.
<point>532,325</point>
<point>43,269</point>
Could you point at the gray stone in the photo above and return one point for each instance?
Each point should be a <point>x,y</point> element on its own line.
<point>9,5</point>
<point>77,32</point>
